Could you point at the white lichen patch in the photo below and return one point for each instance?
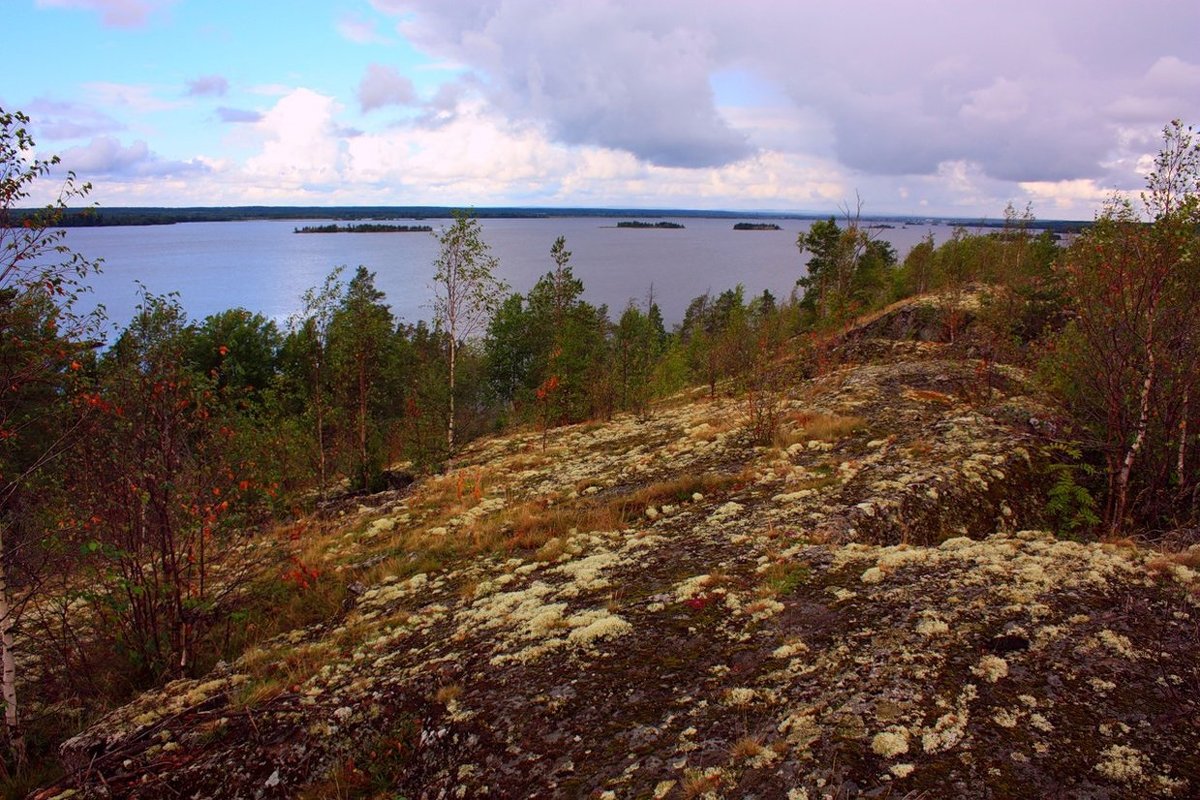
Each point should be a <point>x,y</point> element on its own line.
<point>891,742</point>
<point>789,650</point>
<point>991,668</point>
<point>872,575</point>
<point>585,572</point>
<point>724,512</point>
<point>1117,643</point>
<point>1006,718</point>
<point>951,727</point>
<point>740,697</point>
<point>596,625</point>
<point>692,587</point>
<point>1123,764</point>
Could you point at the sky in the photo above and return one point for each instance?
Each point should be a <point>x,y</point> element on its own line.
<point>939,108</point>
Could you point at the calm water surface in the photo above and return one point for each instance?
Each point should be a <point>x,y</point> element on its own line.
<point>265,267</point>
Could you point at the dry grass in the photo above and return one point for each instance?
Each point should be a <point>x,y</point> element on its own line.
<point>532,528</point>
<point>745,748</point>
<point>1165,563</point>
<point>290,665</point>
<point>680,490</point>
<point>782,578</point>
<point>921,448</point>
<point>804,426</point>
<point>468,589</point>
<point>255,693</point>
<point>343,782</point>
<point>448,693</point>
<point>551,550</point>
<point>277,670</point>
<point>929,396</point>
<point>535,524</point>
<point>402,565</point>
<point>451,494</point>
<point>697,784</point>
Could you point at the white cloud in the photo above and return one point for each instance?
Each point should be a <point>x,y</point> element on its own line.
<point>1001,102</point>
<point>227,114</point>
<point>384,86</point>
<point>772,104</point>
<point>106,157</point>
<point>1026,92</point>
<point>1080,195</point>
<point>66,120</point>
<point>136,97</point>
<point>207,85</point>
<point>114,13</point>
<point>623,75</point>
<point>300,146</point>
<point>355,29</point>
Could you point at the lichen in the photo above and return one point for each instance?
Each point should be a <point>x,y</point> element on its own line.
<point>891,742</point>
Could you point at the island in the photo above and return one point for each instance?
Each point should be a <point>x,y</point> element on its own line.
<point>638,224</point>
<point>756,226</point>
<point>366,227</point>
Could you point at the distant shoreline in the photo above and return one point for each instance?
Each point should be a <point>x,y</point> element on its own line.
<point>366,227</point>
<point>660,225</point>
<point>149,215</point>
<point>756,226</point>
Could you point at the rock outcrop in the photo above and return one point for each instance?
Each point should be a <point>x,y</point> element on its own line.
<point>662,609</point>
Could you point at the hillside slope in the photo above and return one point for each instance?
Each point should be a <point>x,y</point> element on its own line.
<point>659,608</point>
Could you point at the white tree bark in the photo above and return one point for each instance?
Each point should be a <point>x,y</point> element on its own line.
<point>1135,447</point>
<point>8,669</point>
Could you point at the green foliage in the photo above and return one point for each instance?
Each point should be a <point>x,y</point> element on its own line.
<point>158,483</point>
<point>511,352</point>
<point>240,349</point>
<point>44,346</point>
<point>1127,358</point>
<point>783,578</point>
<point>305,380</point>
<point>1070,507</point>
<point>362,362</point>
<point>636,346</point>
<point>548,353</point>
<point>466,292</point>
<point>423,400</point>
<point>847,270</point>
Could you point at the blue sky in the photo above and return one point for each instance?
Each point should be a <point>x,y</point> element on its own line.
<point>935,107</point>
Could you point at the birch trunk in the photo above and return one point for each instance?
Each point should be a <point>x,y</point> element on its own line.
<point>8,669</point>
<point>1181,454</point>
<point>1122,489</point>
<point>450,424</point>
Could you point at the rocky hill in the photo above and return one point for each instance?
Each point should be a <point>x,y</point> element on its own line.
<point>661,608</point>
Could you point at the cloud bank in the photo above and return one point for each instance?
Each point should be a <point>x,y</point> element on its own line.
<point>1024,92</point>
<point>945,108</point>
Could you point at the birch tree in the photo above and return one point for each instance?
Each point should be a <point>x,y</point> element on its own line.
<point>466,293</point>
<point>41,342</point>
<point>1128,356</point>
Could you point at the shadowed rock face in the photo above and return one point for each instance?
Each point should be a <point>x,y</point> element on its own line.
<point>857,611</point>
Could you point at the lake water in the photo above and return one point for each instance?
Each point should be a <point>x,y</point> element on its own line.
<point>265,267</point>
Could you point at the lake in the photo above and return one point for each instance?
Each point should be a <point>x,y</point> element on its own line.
<point>265,267</point>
